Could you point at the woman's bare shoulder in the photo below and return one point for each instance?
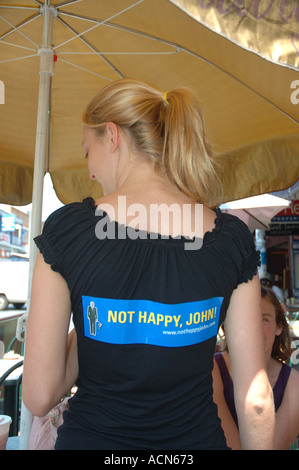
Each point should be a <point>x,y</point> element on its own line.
<point>294,378</point>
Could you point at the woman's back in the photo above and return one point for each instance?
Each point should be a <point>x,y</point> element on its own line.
<point>146,313</point>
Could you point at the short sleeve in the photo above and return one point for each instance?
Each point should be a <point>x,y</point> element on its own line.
<point>61,235</point>
<point>241,245</point>
<point>49,239</point>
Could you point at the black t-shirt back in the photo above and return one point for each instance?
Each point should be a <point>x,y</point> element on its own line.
<point>146,313</point>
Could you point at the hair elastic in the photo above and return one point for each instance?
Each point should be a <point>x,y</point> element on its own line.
<point>164,96</point>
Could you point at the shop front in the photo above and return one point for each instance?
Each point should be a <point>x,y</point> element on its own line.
<point>282,248</point>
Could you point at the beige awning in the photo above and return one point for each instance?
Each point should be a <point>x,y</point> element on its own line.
<point>248,84</point>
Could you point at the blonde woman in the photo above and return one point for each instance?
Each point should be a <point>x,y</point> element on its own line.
<point>144,375</point>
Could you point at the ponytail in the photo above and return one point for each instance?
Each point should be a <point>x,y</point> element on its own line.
<point>167,127</point>
<point>187,155</point>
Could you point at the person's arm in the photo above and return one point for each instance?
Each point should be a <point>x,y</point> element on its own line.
<point>227,422</point>
<point>252,391</point>
<point>287,415</point>
<point>51,363</point>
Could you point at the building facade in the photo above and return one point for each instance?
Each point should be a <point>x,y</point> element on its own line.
<point>14,233</point>
<point>282,243</point>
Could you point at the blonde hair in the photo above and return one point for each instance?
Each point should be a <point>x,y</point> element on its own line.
<point>169,128</point>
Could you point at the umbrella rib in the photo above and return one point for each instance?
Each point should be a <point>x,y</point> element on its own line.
<point>16,28</point>
<point>99,23</point>
<point>94,49</point>
<point>255,218</point>
<point>7,7</point>
<point>78,35</point>
<point>16,45</point>
<point>120,53</point>
<point>101,54</point>
<point>68,2</point>
<point>85,70</point>
<point>18,58</point>
<point>126,29</point>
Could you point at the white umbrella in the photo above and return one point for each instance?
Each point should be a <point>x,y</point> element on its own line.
<point>256,211</point>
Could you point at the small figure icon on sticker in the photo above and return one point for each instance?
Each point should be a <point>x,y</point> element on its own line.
<point>92,315</point>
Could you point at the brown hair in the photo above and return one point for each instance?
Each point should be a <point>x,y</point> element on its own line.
<point>169,128</point>
<point>281,349</point>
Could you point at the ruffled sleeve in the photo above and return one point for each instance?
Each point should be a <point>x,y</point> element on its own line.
<point>48,240</point>
<point>239,242</point>
<point>47,252</point>
<point>60,231</point>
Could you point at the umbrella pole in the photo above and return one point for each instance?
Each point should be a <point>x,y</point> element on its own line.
<point>46,70</point>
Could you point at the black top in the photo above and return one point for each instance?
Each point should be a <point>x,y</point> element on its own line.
<point>146,313</point>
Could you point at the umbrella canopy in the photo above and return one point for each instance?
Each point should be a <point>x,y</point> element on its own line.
<point>256,211</point>
<point>248,84</point>
<point>289,193</point>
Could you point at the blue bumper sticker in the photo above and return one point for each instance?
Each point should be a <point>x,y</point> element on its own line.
<point>119,321</point>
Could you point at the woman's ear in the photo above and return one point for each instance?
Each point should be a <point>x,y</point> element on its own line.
<point>279,329</point>
<point>112,135</point>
